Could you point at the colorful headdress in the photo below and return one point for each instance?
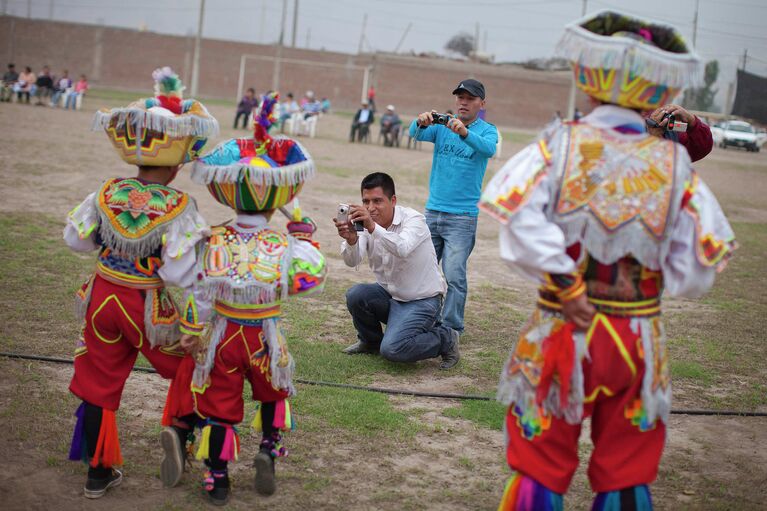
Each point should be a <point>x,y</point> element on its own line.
<point>159,131</point>
<point>259,173</point>
<point>629,62</point>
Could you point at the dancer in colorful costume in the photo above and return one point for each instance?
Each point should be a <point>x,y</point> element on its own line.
<point>246,270</point>
<point>604,217</point>
<point>145,233</point>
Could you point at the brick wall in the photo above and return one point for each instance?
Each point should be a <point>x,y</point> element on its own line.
<point>122,58</point>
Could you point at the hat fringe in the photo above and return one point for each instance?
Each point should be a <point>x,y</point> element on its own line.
<point>291,174</point>
<point>176,126</point>
<point>588,49</point>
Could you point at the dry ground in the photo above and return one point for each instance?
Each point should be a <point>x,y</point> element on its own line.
<point>412,453</point>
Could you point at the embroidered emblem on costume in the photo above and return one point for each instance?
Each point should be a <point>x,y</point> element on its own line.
<point>531,419</point>
<point>636,413</point>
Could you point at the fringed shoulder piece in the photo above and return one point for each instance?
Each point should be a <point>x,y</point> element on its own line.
<point>185,233</point>
<point>604,41</point>
<point>135,216</point>
<point>714,238</point>
<point>617,194</point>
<point>512,186</point>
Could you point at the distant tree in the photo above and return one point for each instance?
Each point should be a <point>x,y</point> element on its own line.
<point>702,98</point>
<point>461,43</point>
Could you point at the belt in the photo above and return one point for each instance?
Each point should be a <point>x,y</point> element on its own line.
<point>640,308</point>
<point>247,312</point>
<point>123,279</point>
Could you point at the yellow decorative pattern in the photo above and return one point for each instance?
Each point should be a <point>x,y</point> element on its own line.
<point>622,88</point>
<point>113,298</point>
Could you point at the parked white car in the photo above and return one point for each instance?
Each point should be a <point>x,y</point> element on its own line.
<point>739,134</point>
<point>717,132</point>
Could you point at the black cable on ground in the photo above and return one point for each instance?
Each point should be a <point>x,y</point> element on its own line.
<point>395,392</point>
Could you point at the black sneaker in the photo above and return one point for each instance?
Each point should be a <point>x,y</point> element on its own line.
<point>216,486</point>
<point>96,488</point>
<point>451,356</point>
<point>219,496</point>
<point>172,464</point>
<point>265,480</point>
<point>360,347</point>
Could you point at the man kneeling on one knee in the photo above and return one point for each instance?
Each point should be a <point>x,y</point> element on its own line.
<point>407,296</point>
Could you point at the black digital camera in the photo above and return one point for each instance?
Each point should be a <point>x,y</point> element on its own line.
<point>440,118</point>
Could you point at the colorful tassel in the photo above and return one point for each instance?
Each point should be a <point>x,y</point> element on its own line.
<point>179,401</point>
<point>636,498</point>
<point>78,450</point>
<point>523,493</point>
<point>108,446</point>
<point>258,421</point>
<point>558,358</point>
<point>203,452</point>
<point>230,451</point>
<point>283,419</point>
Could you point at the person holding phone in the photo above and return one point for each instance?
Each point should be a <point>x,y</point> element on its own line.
<point>407,295</point>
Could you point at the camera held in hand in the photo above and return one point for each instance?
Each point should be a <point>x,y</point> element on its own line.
<point>438,118</point>
<point>673,124</point>
<point>343,216</point>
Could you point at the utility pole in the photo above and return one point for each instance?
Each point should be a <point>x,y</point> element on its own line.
<point>476,41</point>
<point>571,99</point>
<point>278,60</point>
<point>196,59</point>
<point>362,35</point>
<point>695,25</point>
<point>295,24</point>
<point>402,39</point>
<point>745,58</point>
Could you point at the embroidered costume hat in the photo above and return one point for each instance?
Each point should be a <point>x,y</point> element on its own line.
<point>165,130</point>
<point>259,173</point>
<point>629,62</point>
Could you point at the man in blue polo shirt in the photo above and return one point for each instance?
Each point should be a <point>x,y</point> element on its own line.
<point>462,147</point>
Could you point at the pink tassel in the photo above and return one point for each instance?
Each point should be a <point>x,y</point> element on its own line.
<point>279,415</point>
<point>231,447</point>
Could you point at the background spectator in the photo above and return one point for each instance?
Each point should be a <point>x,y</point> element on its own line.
<point>80,87</point>
<point>697,139</point>
<point>287,109</point>
<point>361,122</point>
<point>245,107</point>
<point>9,80</point>
<point>390,126</point>
<point>372,98</point>
<point>60,87</point>
<point>44,85</point>
<point>24,86</point>
<point>310,106</point>
<point>325,105</point>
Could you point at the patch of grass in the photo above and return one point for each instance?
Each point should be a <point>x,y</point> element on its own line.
<point>690,370</point>
<point>487,414</point>
<point>363,413</point>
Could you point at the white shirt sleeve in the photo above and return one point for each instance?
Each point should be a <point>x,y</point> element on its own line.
<point>414,232</point>
<point>354,254</point>
<point>82,223</point>
<point>687,270</point>
<point>179,256</point>
<point>532,244</point>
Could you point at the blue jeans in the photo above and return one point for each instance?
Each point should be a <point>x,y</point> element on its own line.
<point>412,332</point>
<point>453,238</point>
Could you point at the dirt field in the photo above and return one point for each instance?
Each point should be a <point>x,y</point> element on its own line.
<point>411,453</point>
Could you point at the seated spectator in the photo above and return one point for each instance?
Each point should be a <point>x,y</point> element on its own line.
<point>361,123</point>
<point>60,87</point>
<point>288,108</point>
<point>44,85</point>
<point>25,84</point>
<point>697,139</point>
<point>390,126</point>
<point>245,107</point>
<point>325,105</point>
<point>310,106</point>
<point>79,91</point>
<point>9,80</point>
<point>407,295</point>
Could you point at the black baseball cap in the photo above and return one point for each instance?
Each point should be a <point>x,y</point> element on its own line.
<point>472,86</point>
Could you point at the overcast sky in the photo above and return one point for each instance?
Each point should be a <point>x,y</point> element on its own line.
<point>512,30</point>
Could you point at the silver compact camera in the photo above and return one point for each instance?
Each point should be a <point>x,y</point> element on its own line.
<point>342,215</point>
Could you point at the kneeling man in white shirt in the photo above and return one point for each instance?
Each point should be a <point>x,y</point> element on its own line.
<point>409,289</point>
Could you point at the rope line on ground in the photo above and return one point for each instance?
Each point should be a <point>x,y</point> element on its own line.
<point>396,392</point>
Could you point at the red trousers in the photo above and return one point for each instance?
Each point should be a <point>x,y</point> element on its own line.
<point>113,336</point>
<point>627,449</point>
<point>242,354</point>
